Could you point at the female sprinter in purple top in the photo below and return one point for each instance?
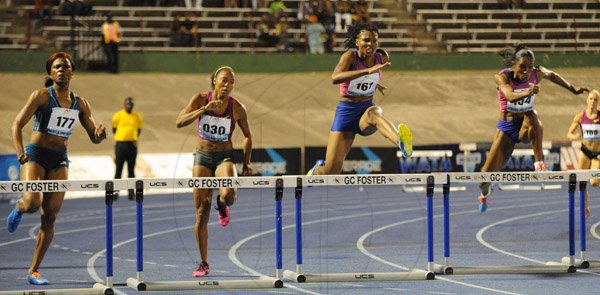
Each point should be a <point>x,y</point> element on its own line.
<point>215,113</point>
<point>588,122</point>
<point>55,111</point>
<point>517,87</point>
<point>358,72</point>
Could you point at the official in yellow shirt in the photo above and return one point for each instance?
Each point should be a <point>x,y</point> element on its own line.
<point>127,126</point>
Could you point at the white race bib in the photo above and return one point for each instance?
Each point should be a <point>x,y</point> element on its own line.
<point>363,86</point>
<point>521,105</point>
<point>590,131</point>
<point>62,121</point>
<point>214,128</point>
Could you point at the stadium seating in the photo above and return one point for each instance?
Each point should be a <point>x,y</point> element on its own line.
<point>484,26</point>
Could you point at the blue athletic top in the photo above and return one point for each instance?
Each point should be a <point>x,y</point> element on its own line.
<point>54,119</point>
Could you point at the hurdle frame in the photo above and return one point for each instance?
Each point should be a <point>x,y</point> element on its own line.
<point>551,267</point>
<point>263,282</point>
<point>583,262</point>
<point>299,276</point>
<point>108,187</point>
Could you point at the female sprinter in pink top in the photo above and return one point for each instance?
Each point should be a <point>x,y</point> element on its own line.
<point>215,113</point>
<point>517,87</point>
<point>588,122</point>
<point>358,72</point>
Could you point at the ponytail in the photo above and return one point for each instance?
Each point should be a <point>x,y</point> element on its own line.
<point>48,82</point>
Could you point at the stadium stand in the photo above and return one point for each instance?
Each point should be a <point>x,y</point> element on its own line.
<point>554,26</point>
<point>146,29</point>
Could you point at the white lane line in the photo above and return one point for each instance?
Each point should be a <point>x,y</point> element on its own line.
<point>353,285</point>
<point>233,250</point>
<point>360,242</point>
<point>490,246</point>
<point>594,230</point>
<point>443,293</point>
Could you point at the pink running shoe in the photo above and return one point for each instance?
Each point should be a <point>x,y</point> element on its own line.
<point>224,215</point>
<point>202,270</point>
<point>540,166</point>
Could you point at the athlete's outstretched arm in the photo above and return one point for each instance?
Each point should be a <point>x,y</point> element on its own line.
<point>559,80</point>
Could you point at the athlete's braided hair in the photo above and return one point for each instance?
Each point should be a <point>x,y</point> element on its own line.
<point>354,31</point>
<point>511,54</point>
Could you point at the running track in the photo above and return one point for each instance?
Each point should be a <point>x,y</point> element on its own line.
<point>350,229</point>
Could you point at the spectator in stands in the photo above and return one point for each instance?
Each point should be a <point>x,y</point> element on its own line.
<point>358,73</point>
<point>585,127</point>
<point>283,38</point>
<point>230,3</point>
<point>127,127</point>
<point>326,16</point>
<point>111,36</point>
<point>70,7</point>
<point>343,15</point>
<point>189,31</point>
<point>517,87</point>
<point>55,111</point>
<point>43,11</point>
<point>215,113</point>
<point>265,31</point>
<point>361,10</point>
<point>314,32</point>
<point>175,32</point>
<point>277,8</point>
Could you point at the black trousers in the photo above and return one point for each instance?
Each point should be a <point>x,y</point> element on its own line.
<point>125,151</point>
<point>112,54</point>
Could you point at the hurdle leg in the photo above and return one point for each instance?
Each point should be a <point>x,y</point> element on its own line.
<point>137,283</point>
<point>445,268</point>
<point>581,262</point>
<point>297,276</point>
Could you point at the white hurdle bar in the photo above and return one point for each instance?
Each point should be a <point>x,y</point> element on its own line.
<point>564,266</point>
<point>263,282</point>
<point>109,187</point>
<point>359,180</point>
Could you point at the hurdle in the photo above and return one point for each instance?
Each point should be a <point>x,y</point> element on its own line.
<point>109,188</point>
<point>264,282</point>
<point>582,261</point>
<point>444,154</point>
<point>358,180</point>
<point>551,266</point>
<point>521,187</point>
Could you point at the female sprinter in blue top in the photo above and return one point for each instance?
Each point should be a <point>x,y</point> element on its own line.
<point>358,72</point>
<point>55,111</point>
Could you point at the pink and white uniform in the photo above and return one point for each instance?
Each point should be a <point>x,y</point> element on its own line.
<point>216,127</point>
<point>364,85</point>
<point>590,128</point>
<point>522,105</point>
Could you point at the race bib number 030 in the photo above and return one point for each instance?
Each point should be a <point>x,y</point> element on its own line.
<point>214,128</point>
